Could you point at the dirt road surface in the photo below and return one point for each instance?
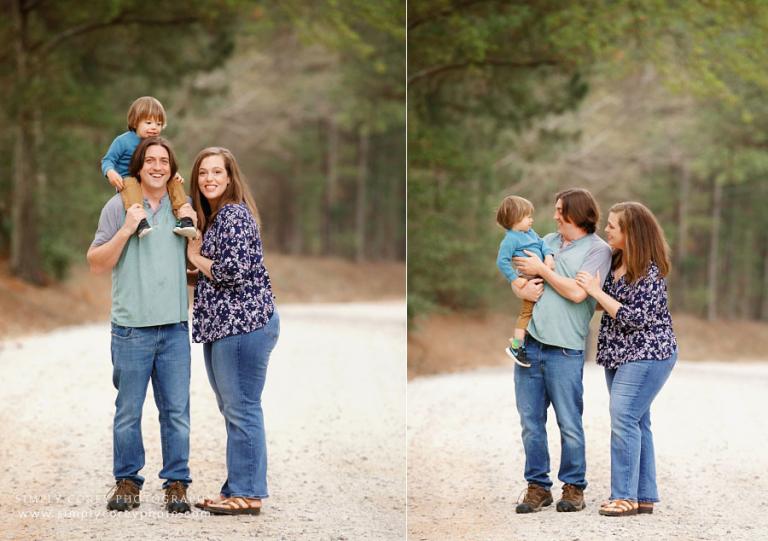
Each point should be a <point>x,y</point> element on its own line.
<point>465,459</point>
<point>334,410</point>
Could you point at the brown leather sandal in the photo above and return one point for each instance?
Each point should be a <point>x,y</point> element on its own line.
<point>645,508</point>
<point>618,508</point>
<point>234,505</point>
<point>207,501</point>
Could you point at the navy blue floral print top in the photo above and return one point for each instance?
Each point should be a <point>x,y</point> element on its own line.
<point>239,298</point>
<point>642,329</point>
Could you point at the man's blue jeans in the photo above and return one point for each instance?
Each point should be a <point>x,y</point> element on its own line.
<point>554,377</point>
<point>160,353</point>
<point>633,387</point>
<point>237,370</point>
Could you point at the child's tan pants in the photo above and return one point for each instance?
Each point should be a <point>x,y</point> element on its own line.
<point>132,194</point>
<point>526,311</point>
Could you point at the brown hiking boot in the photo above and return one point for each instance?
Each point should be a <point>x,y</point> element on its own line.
<point>536,497</point>
<point>125,496</point>
<point>176,498</point>
<point>572,500</point>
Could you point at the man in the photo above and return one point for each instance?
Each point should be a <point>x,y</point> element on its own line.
<point>150,337</point>
<point>555,348</point>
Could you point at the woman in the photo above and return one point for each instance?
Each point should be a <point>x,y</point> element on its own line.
<point>235,319</point>
<point>637,347</point>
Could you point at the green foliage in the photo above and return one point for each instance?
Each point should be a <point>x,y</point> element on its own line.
<point>369,38</point>
<point>86,61</point>
<point>294,82</point>
<point>500,69</point>
<point>89,60</point>
<point>494,95</point>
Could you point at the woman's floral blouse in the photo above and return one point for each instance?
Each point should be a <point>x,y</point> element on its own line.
<point>239,298</point>
<point>642,328</point>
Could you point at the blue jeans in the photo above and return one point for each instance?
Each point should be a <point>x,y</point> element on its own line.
<point>554,377</point>
<point>159,353</point>
<point>632,387</point>
<point>237,370</point>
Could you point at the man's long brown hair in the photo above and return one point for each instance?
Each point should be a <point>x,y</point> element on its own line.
<point>236,192</point>
<point>644,241</point>
<point>580,208</point>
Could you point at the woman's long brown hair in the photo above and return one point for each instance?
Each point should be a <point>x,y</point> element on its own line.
<point>644,241</point>
<point>237,190</point>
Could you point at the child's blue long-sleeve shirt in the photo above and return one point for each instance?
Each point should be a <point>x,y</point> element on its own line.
<point>513,244</point>
<point>120,152</point>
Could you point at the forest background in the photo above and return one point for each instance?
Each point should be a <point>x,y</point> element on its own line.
<point>658,101</point>
<point>308,95</point>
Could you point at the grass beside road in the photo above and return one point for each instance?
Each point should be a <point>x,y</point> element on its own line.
<point>85,297</point>
<point>456,342</point>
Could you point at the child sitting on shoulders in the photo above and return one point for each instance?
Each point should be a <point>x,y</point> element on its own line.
<point>146,118</point>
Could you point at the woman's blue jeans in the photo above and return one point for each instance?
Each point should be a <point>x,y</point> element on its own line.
<point>633,387</point>
<point>237,370</point>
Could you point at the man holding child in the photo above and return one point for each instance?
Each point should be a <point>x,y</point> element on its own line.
<point>150,335</point>
<point>554,347</point>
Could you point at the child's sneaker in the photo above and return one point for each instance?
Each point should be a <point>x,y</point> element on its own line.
<point>186,228</point>
<point>518,355</point>
<point>144,228</point>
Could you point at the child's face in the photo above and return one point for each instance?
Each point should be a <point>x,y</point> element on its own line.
<point>525,224</point>
<point>149,127</point>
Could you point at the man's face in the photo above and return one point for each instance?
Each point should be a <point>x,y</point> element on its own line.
<point>559,219</point>
<point>567,229</point>
<point>157,167</point>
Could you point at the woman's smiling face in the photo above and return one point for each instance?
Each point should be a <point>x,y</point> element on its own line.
<point>212,177</point>
<point>613,233</point>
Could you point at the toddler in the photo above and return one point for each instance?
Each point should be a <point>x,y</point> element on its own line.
<point>146,118</point>
<point>516,216</point>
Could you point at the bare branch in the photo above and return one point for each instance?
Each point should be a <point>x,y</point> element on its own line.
<point>435,70</point>
<point>30,5</point>
<point>41,49</point>
<point>413,23</point>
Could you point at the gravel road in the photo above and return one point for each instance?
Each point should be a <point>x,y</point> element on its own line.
<point>335,413</point>
<point>465,459</point>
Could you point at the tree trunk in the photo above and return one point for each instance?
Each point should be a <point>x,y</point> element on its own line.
<point>764,290</point>
<point>396,217</point>
<point>25,258</point>
<point>294,203</point>
<point>360,206</point>
<point>331,184</point>
<point>714,249</point>
<point>731,293</point>
<point>38,136</point>
<point>281,224</point>
<point>682,236</point>
<point>745,301</point>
